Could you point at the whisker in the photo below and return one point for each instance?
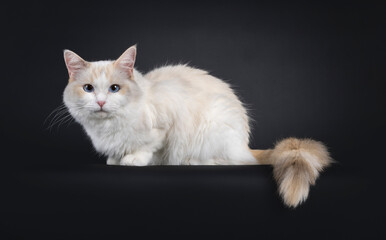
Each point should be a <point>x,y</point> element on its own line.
<point>57,109</point>
<point>57,117</point>
<point>61,116</point>
<point>71,121</point>
<point>64,120</point>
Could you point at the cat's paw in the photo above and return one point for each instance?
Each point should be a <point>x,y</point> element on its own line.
<point>139,159</point>
<point>112,161</point>
<point>132,160</point>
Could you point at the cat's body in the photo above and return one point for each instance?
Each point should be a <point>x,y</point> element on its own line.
<point>178,115</point>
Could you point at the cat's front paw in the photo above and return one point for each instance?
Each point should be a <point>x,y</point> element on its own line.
<point>112,161</point>
<point>138,159</point>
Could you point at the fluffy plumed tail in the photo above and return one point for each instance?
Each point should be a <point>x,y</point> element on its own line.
<point>297,164</point>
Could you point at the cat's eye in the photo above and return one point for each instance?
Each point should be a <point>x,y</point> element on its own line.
<point>88,88</point>
<point>114,88</point>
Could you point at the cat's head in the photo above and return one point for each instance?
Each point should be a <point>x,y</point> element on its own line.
<point>103,89</point>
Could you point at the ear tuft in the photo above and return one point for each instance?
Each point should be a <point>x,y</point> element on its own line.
<point>74,63</point>
<point>126,60</point>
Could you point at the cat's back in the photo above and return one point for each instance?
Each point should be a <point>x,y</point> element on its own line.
<point>187,78</point>
<point>180,71</point>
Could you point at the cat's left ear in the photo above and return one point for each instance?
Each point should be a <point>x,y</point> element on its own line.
<point>126,61</point>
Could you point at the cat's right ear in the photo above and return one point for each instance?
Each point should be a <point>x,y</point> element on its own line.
<point>74,63</point>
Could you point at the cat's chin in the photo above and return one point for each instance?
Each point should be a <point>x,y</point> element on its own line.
<point>100,114</point>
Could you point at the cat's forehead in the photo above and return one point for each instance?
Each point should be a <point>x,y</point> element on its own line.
<point>101,67</point>
<point>101,71</point>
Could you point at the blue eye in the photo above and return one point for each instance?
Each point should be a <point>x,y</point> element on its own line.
<point>88,88</point>
<point>114,88</point>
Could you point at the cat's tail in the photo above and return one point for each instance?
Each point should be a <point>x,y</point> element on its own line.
<point>296,165</point>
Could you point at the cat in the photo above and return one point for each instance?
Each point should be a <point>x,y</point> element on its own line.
<point>178,115</point>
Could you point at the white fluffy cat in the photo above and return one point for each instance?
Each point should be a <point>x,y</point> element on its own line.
<point>178,115</point>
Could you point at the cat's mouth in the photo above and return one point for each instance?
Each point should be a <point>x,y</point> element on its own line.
<point>101,113</point>
<point>100,110</point>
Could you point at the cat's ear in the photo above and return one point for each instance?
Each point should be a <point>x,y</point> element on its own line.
<point>74,63</point>
<point>126,61</point>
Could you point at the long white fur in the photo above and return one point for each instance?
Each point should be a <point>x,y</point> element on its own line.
<point>175,115</point>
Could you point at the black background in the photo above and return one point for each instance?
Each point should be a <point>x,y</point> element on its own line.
<point>304,69</point>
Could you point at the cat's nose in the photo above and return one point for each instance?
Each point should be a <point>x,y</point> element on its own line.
<point>101,103</point>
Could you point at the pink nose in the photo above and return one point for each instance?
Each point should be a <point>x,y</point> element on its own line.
<point>101,103</point>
